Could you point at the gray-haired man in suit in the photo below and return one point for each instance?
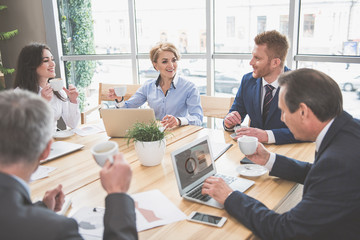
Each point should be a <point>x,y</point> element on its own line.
<point>26,128</point>
<point>311,106</point>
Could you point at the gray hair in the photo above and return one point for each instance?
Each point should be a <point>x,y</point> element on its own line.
<point>26,126</point>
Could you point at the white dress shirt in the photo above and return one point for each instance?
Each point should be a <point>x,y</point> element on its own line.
<point>69,111</point>
<point>318,141</point>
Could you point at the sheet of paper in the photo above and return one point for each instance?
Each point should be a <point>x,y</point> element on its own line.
<point>41,172</point>
<point>90,129</point>
<point>159,211</point>
<point>156,212</point>
<point>90,222</point>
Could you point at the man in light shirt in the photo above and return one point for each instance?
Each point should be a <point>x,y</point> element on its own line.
<point>311,106</point>
<point>258,94</point>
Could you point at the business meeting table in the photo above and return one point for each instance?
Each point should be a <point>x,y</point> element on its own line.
<point>79,175</point>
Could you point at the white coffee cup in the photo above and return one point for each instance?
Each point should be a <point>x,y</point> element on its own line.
<point>104,151</point>
<point>247,144</point>
<point>120,91</point>
<point>56,84</point>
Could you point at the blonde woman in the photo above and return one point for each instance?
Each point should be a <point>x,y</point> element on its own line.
<point>175,100</point>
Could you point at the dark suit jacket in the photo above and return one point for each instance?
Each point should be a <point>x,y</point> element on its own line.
<point>330,206</point>
<point>248,101</point>
<point>21,219</point>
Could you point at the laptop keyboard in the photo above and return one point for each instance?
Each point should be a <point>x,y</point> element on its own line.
<point>196,193</point>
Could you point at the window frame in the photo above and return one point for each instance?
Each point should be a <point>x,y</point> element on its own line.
<point>53,37</point>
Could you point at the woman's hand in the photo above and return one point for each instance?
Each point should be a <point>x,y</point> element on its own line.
<point>47,92</point>
<point>72,93</point>
<point>112,95</point>
<point>170,121</point>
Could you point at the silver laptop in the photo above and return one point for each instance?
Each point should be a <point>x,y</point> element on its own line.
<point>61,148</point>
<point>193,163</point>
<point>118,121</point>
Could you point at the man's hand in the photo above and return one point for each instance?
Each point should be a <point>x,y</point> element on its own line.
<point>261,156</point>
<point>47,92</point>
<point>217,188</point>
<point>261,135</point>
<point>232,119</point>
<point>72,93</point>
<point>54,199</point>
<point>170,121</point>
<point>116,177</point>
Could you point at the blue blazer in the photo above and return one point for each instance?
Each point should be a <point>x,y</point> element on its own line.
<point>330,206</point>
<point>248,102</point>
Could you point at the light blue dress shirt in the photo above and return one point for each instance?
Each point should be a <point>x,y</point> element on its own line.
<point>182,100</point>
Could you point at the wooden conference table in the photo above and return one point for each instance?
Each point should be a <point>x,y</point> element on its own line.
<point>79,175</point>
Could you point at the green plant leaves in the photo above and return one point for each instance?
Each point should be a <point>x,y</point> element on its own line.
<point>145,132</point>
<point>8,35</point>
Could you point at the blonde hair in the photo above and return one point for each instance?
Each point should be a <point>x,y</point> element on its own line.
<point>161,47</point>
<point>277,44</point>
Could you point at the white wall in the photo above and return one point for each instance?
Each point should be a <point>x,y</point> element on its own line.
<point>27,17</point>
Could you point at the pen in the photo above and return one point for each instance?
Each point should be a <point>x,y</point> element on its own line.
<point>66,206</point>
<point>99,210</point>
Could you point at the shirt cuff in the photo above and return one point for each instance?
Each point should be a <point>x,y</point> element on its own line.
<point>271,137</point>
<point>228,129</point>
<point>183,121</point>
<point>270,163</point>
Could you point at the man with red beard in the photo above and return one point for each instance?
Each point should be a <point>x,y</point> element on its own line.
<point>259,92</point>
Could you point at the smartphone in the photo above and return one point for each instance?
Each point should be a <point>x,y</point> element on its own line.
<point>207,219</point>
<point>245,160</point>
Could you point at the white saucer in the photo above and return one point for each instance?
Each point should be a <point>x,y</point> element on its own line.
<point>251,170</point>
<point>63,134</point>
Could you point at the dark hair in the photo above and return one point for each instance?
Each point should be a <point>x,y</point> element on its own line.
<point>314,88</point>
<point>30,58</point>
<point>276,44</point>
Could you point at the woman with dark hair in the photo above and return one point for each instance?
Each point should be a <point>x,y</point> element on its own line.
<point>34,69</point>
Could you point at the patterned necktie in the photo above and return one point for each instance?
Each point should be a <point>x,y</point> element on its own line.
<point>267,100</point>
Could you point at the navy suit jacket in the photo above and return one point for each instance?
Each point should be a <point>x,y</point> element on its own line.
<point>330,206</point>
<point>21,219</point>
<point>248,102</point>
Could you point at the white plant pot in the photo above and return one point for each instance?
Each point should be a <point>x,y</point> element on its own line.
<point>150,153</point>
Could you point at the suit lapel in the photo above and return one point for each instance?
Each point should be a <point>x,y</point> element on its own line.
<point>333,130</point>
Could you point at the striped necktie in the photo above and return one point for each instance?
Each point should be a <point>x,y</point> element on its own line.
<point>267,100</point>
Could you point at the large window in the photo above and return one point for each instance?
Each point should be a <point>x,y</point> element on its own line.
<point>179,22</point>
<point>111,26</point>
<point>215,38</point>
<point>329,27</point>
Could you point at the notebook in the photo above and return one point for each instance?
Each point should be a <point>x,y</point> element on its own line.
<point>193,163</point>
<point>118,121</point>
<point>61,148</point>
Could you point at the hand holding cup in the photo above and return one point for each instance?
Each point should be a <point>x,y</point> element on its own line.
<point>104,151</point>
<point>247,145</point>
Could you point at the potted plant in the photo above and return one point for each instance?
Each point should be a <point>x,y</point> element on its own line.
<point>5,36</point>
<point>149,141</point>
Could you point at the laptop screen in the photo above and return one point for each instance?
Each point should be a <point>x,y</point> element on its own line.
<point>193,163</point>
